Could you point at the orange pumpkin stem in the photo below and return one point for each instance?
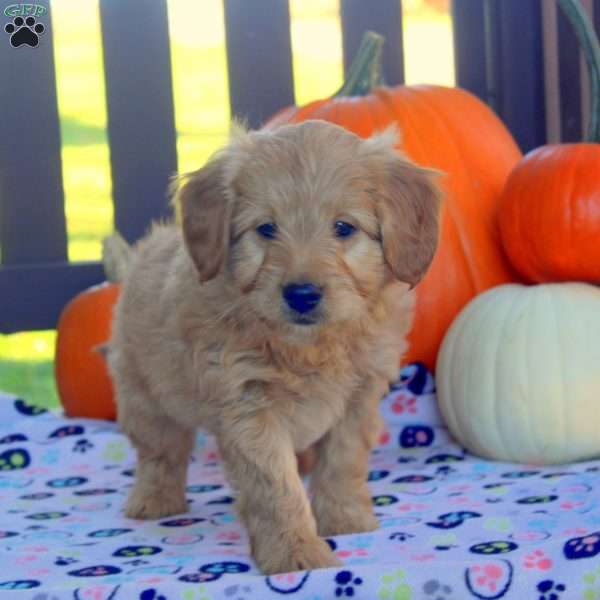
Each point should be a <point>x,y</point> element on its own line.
<point>364,73</point>
<point>588,40</point>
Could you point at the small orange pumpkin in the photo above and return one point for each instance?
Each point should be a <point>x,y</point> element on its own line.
<point>549,213</point>
<point>82,379</point>
<point>452,131</point>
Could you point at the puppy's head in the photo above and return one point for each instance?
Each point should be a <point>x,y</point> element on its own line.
<point>310,222</point>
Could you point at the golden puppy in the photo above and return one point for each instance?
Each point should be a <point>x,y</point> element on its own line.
<point>274,318</point>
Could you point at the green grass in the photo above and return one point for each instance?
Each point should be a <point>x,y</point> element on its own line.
<point>202,121</point>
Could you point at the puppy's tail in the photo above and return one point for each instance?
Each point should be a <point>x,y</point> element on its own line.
<point>116,256</point>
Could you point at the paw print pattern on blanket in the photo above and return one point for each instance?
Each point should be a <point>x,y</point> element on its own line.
<point>436,590</point>
<point>394,587</point>
<point>538,538</point>
<point>29,410</point>
<point>498,547</point>
<point>287,583</point>
<point>12,438</point>
<point>591,580</point>
<point>537,560</point>
<point>131,551</point>
<point>14,459</point>
<point>19,584</point>
<point>453,519</point>
<point>346,584</point>
<point>416,436</point>
<point>583,547</point>
<point>550,590</point>
<point>489,580</point>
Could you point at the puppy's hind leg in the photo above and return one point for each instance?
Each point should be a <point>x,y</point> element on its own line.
<point>163,452</point>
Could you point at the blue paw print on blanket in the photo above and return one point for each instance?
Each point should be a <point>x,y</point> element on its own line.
<point>28,410</point>
<point>496,547</point>
<point>453,519</point>
<point>14,459</point>
<point>538,499</point>
<point>377,475</point>
<point>416,436</point>
<point>95,571</point>
<point>416,379</point>
<point>224,567</point>
<point>66,482</point>
<point>183,522</point>
<point>151,594</point>
<point>66,431</point>
<point>346,583</point>
<point>13,437</point>
<point>582,547</point>
<point>212,571</point>
<point>7,534</point>
<point>107,533</point>
<point>201,489</point>
<point>131,551</point>
<point>19,584</point>
<point>550,590</point>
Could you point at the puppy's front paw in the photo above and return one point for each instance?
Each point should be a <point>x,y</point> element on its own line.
<point>144,505</point>
<point>334,518</point>
<point>303,556</point>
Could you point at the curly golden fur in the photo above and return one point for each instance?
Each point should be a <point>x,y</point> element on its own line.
<point>202,336</point>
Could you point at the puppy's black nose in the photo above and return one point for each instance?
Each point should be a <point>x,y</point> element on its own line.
<point>302,297</point>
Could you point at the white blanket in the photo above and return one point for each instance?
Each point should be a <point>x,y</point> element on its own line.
<point>452,526</point>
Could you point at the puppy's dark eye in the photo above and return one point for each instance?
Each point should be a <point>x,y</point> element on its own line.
<point>343,229</point>
<point>267,230</point>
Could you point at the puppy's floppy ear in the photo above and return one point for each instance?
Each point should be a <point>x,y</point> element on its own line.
<point>408,211</point>
<point>205,213</point>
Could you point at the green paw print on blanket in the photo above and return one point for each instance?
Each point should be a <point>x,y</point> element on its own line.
<point>502,524</point>
<point>115,451</point>
<point>198,594</point>
<point>135,551</point>
<point>592,582</point>
<point>394,587</point>
<point>14,459</point>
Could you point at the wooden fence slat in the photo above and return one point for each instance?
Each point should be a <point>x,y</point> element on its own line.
<point>259,58</point>
<point>32,219</point>
<point>520,70</point>
<point>569,80</point>
<point>551,86</point>
<point>141,123</point>
<point>33,296</point>
<point>509,59</point>
<point>470,47</point>
<point>383,17</point>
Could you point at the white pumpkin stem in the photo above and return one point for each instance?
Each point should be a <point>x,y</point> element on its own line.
<point>116,255</point>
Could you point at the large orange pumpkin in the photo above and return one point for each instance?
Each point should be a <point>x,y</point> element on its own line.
<point>550,208</point>
<point>82,380</point>
<point>450,130</point>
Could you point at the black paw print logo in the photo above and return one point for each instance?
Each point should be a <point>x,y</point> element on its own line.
<point>346,582</point>
<point>550,590</point>
<point>24,32</point>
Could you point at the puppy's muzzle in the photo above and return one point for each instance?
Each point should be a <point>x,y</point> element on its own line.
<point>303,299</point>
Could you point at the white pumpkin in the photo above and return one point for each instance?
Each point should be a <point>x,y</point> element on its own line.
<point>518,374</point>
